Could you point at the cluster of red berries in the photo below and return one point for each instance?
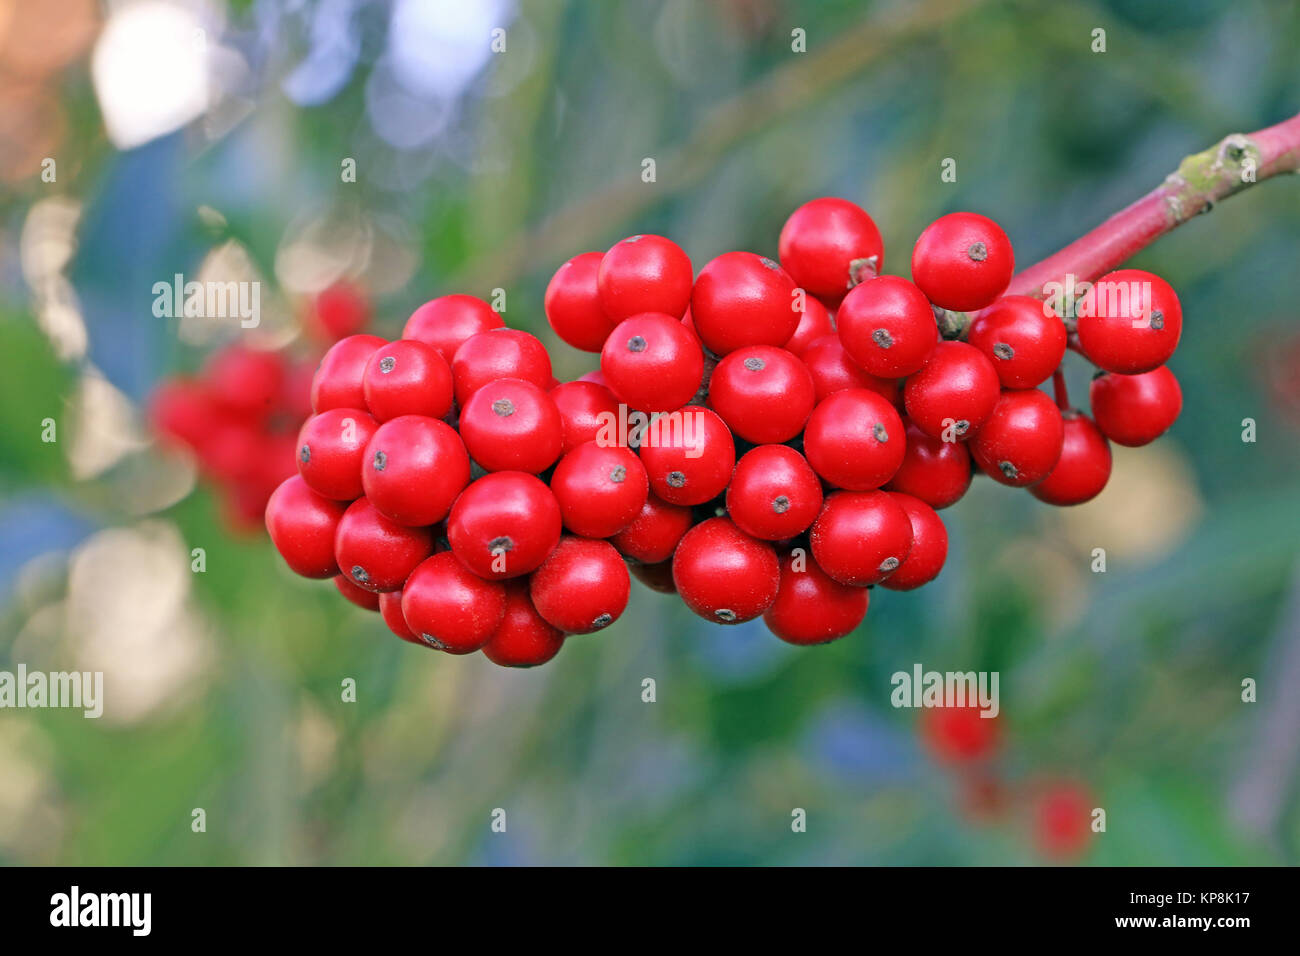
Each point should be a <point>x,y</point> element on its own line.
<point>763,438</point>
<point>239,417</point>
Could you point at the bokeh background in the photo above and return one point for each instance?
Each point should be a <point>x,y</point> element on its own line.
<point>208,139</point>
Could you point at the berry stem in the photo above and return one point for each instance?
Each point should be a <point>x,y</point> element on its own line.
<point>1201,180</point>
<point>1058,387</point>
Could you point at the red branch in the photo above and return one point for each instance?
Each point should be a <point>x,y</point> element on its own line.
<point>1228,167</point>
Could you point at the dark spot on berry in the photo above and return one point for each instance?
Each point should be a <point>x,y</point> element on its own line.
<point>780,504</point>
<point>978,252</point>
<point>304,454</point>
<point>676,479</point>
<point>360,574</point>
<point>1003,351</point>
<point>433,641</point>
<point>889,564</point>
<point>882,338</point>
<point>961,426</point>
<point>387,363</point>
<point>618,474</point>
<point>860,270</point>
<point>503,407</point>
<point>769,263</point>
<point>603,620</point>
<point>880,432</point>
<point>1008,469</point>
<point>755,364</point>
<point>381,461</point>
<point>725,614</point>
<point>636,344</point>
<point>1157,319</point>
<point>503,543</point>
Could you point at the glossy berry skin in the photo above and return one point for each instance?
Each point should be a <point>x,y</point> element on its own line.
<point>657,577</point>
<point>512,425</point>
<point>390,609</point>
<point>407,377</point>
<point>366,600</point>
<point>1023,339</point>
<point>504,525</point>
<point>524,639</point>
<point>1135,410</point>
<point>653,535</point>
<point>449,320</point>
<point>652,362</point>
<point>600,489</point>
<point>832,371</point>
<point>764,394</point>
<point>887,327</point>
<point>963,261</point>
<point>861,537</point>
<point>499,353</point>
<point>743,299</point>
<point>954,393</point>
<point>855,440</point>
<point>1021,442</point>
<point>811,607</point>
<point>689,458</point>
<point>1084,466</point>
<point>572,304</point>
<point>724,575</point>
<point>774,493</point>
<point>449,608</point>
<point>585,409</point>
<point>582,587</point>
<point>331,448</point>
<point>814,322</point>
<point>938,472</point>
<point>376,553</point>
<point>246,381</point>
<point>1129,322</point>
<point>644,274</point>
<point>929,546</point>
<point>339,381</point>
<point>413,469</point>
<point>829,245</point>
<point>301,524</point>
<point>958,735</point>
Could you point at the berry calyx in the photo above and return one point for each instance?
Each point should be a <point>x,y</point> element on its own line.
<point>413,469</point>
<point>601,489</point>
<point>954,393</point>
<point>861,537</point>
<point>774,493</point>
<point>830,245</point>
<point>504,525</point>
<point>512,425</point>
<point>887,327</point>
<point>652,362</point>
<point>764,394</point>
<point>407,377</point>
<point>855,440</point>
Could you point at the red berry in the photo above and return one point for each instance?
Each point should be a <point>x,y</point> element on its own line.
<point>652,536</point>
<point>582,587</point>
<point>652,362</point>
<point>1084,467</point>
<point>774,493</point>
<point>829,245</point>
<point>512,425</point>
<point>1129,322</point>
<point>573,306</point>
<point>413,469</point>
<point>811,607</point>
<point>1023,339</point>
<point>601,489</point>
<point>366,600</point>
<point>861,537</point>
<point>963,261</point>
<point>938,472</point>
<point>929,546</point>
<point>832,371</point>
<point>887,327</point>
<point>302,524</point>
<point>448,321</point>
<point>1135,410</point>
<point>1021,442</point>
<point>499,353</point>
<point>585,409</point>
<point>955,392</point>
<point>855,440</point>
<point>524,639</point>
<point>338,382</point>
<point>1063,820</point>
<point>331,448</point>
<point>688,456</point>
<point>182,410</point>
<point>723,574</point>
<point>504,525</point>
<point>763,393</point>
<point>407,377</point>
<point>390,609</point>
<point>657,577</point>
<point>814,322</point>
<point>449,607</point>
<point>596,377</point>
<point>644,274</point>
<point>246,381</point>
<point>376,553</point>
<point>958,734</point>
<point>743,299</point>
<point>339,310</point>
